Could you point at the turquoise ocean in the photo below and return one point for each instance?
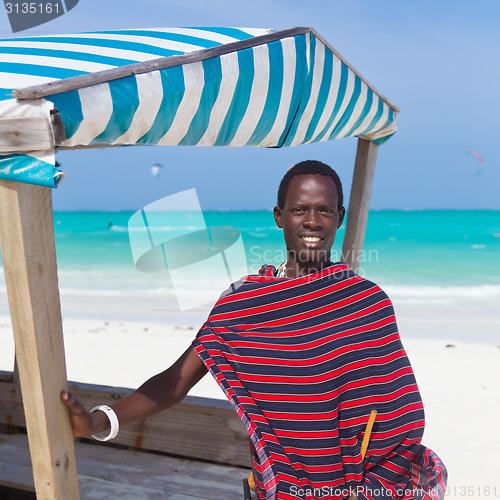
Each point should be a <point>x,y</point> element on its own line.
<point>430,256</point>
<point>412,253</point>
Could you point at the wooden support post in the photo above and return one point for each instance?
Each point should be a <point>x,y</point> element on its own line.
<point>29,259</point>
<point>359,203</point>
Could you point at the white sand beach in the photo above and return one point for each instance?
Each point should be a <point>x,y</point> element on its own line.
<point>122,342</point>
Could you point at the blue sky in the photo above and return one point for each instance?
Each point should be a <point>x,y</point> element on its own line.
<point>438,61</point>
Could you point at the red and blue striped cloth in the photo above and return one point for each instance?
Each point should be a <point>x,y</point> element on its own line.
<point>304,361</point>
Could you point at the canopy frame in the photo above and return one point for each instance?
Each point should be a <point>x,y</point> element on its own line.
<point>77,82</point>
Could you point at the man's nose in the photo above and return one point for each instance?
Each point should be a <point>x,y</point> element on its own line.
<point>312,220</point>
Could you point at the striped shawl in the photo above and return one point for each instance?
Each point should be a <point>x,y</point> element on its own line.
<point>304,361</point>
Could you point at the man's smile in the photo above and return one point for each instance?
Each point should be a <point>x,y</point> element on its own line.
<point>311,239</point>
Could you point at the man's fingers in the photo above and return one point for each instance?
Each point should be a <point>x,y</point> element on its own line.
<point>67,398</point>
<point>72,403</point>
<point>79,416</point>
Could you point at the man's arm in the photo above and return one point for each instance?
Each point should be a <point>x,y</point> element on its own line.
<point>158,393</point>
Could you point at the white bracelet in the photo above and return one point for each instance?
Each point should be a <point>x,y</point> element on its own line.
<point>113,420</point>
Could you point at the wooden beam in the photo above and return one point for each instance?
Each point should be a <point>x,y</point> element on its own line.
<point>197,428</point>
<point>29,259</point>
<point>31,133</point>
<point>359,203</point>
<point>109,472</point>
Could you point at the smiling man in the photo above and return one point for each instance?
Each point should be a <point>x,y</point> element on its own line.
<point>304,353</point>
<point>310,210</point>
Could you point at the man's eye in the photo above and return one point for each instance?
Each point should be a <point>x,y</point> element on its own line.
<point>295,210</point>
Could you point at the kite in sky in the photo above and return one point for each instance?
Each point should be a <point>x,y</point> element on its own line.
<point>155,170</point>
<point>481,161</point>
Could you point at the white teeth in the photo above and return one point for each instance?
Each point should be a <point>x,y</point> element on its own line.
<point>311,239</point>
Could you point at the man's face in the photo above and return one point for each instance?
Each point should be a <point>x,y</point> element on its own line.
<point>310,218</point>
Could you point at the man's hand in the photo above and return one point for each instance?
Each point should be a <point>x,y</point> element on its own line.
<point>81,420</point>
<point>158,393</point>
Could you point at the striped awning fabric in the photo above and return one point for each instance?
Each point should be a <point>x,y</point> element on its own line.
<point>183,86</point>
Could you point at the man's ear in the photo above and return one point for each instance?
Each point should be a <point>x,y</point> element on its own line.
<point>341,217</point>
<point>277,217</point>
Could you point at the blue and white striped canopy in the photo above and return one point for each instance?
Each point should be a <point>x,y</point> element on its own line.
<point>181,86</point>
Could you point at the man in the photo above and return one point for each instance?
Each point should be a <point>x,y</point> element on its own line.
<point>304,353</point>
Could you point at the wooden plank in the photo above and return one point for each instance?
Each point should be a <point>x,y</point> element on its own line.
<point>28,251</point>
<point>359,203</point>
<point>172,475</point>
<point>25,134</point>
<point>194,429</point>
<point>14,475</point>
<point>199,428</point>
<point>11,408</point>
<point>123,472</point>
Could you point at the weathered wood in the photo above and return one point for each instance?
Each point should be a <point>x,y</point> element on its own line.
<point>198,428</point>
<point>25,134</point>
<point>10,405</point>
<point>123,472</point>
<point>359,203</point>
<point>28,251</point>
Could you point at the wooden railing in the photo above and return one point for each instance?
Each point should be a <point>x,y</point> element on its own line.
<point>197,428</point>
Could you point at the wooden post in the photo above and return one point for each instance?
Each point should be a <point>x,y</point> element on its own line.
<point>29,258</point>
<point>359,203</point>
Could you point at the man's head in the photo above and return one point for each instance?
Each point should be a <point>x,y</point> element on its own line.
<point>309,167</point>
<point>309,211</point>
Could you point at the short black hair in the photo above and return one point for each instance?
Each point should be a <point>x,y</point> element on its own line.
<point>309,167</point>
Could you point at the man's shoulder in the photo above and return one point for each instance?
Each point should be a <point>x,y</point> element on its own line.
<point>339,272</point>
<point>361,281</point>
